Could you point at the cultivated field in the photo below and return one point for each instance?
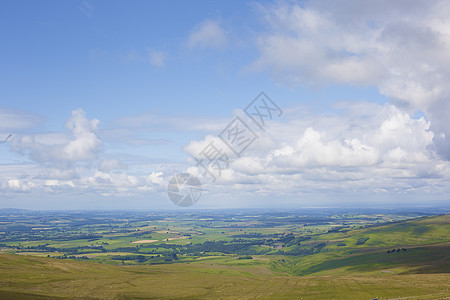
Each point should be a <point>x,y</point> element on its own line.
<point>226,256</point>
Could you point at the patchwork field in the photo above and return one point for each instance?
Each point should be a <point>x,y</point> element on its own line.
<point>264,256</point>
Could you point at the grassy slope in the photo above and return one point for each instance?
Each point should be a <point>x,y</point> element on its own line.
<point>427,241</point>
<point>352,272</point>
<point>22,276</point>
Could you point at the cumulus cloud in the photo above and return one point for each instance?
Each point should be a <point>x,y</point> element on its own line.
<point>85,143</point>
<point>82,144</point>
<point>122,183</point>
<point>312,150</point>
<point>73,161</point>
<point>156,178</point>
<point>366,147</point>
<point>82,180</point>
<point>18,185</point>
<point>402,47</point>
<point>208,34</point>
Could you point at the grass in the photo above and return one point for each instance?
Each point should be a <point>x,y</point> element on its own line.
<point>32,276</point>
<point>363,271</point>
<point>419,259</point>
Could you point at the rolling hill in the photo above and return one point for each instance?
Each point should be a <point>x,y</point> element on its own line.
<point>362,271</point>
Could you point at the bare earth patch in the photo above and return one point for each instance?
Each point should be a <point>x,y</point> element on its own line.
<point>177,237</point>
<point>144,241</point>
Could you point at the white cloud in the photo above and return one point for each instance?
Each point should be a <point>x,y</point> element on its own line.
<point>86,8</point>
<point>157,58</point>
<point>82,144</point>
<point>311,150</point>
<point>156,178</point>
<point>17,185</point>
<point>111,164</point>
<point>12,121</point>
<point>58,173</point>
<point>402,47</point>
<point>208,34</point>
<point>73,162</point>
<point>57,183</point>
<point>365,148</point>
<point>86,144</point>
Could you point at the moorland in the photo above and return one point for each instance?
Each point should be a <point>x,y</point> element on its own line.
<point>309,254</point>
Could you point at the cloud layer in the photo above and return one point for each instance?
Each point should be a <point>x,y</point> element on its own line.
<point>402,47</point>
<point>362,148</point>
<point>365,148</point>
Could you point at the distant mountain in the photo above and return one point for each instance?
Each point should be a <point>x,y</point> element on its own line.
<point>13,211</point>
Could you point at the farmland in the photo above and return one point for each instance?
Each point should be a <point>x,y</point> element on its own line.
<point>224,254</point>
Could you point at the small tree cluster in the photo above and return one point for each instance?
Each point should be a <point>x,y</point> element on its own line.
<point>396,250</point>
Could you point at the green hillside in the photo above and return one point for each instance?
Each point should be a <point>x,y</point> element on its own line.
<point>363,271</point>
<point>421,246</point>
<point>23,277</point>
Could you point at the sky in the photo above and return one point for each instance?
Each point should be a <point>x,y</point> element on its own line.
<point>102,103</point>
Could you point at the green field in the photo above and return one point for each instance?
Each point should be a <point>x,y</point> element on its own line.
<point>228,257</point>
<point>22,276</point>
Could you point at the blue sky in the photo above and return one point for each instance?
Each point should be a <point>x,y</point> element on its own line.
<point>106,101</point>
